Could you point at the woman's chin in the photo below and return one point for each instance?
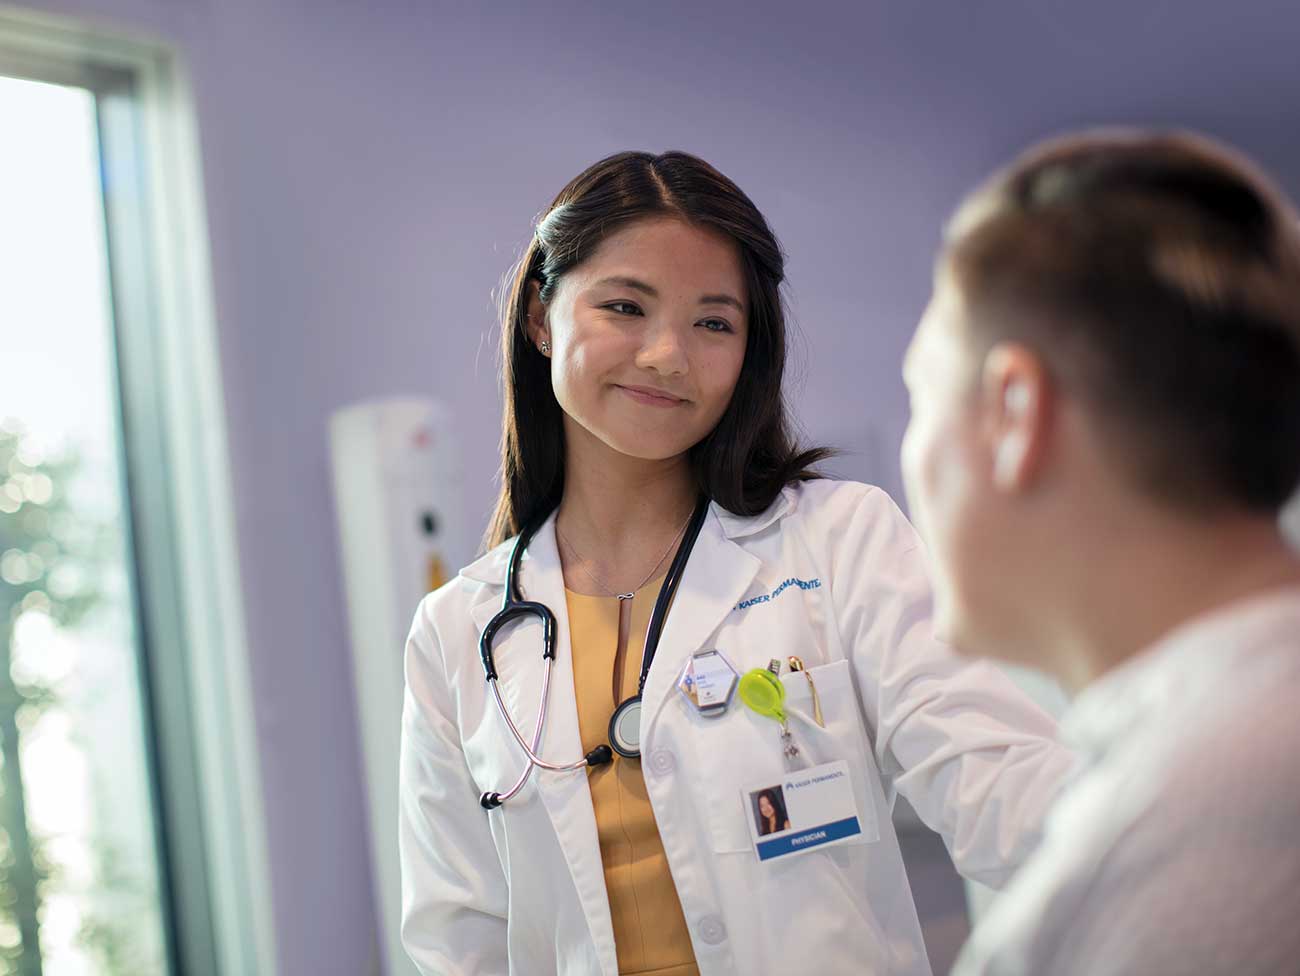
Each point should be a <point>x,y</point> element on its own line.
<point>646,446</point>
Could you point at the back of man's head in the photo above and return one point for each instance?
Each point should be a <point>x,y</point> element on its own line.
<point>1158,276</point>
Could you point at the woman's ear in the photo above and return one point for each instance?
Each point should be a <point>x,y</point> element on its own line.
<point>1018,404</point>
<point>539,329</point>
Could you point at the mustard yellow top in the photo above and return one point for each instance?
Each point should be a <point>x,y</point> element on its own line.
<point>650,932</point>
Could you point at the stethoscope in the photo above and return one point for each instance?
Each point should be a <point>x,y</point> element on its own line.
<point>625,724</point>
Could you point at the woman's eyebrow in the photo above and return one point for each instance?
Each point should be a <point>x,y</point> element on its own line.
<point>632,283</point>
<point>723,300</point>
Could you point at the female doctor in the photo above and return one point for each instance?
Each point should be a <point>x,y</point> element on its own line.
<point>579,760</point>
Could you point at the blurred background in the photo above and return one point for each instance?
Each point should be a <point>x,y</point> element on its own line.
<point>249,255</point>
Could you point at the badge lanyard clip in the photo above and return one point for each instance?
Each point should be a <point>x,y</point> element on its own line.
<point>763,694</point>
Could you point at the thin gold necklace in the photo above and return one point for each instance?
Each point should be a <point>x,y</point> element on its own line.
<point>601,584</point>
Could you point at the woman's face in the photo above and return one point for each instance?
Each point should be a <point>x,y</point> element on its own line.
<point>647,338</point>
<point>765,807</point>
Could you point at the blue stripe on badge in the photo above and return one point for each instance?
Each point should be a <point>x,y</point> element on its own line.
<point>804,839</point>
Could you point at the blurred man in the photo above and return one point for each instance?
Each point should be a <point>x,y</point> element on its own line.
<point>1105,424</point>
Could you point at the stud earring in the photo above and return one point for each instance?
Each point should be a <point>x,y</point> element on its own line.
<point>545,347</point>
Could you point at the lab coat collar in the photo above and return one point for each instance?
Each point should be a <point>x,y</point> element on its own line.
<point>717,575</point>
<point>740,526</point>
<point>491,567</point>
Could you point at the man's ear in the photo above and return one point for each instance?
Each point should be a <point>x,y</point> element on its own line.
<point>539,329</point>
<point>1018,406</point>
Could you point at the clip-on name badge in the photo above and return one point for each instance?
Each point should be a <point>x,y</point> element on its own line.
<point>708,682</point>
<point>808,809</point>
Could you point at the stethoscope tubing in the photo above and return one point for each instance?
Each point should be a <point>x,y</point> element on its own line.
<point>530,750</point>
<point>513,607</point>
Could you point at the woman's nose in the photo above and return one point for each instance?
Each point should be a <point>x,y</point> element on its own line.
<point>663,350</point>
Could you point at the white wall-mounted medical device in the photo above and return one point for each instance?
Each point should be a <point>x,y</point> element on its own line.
<point>397,488</point>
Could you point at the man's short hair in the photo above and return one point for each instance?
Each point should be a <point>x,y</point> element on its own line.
<point>1158,275</point>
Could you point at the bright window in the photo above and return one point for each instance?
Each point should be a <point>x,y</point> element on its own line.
<point>79,858</point>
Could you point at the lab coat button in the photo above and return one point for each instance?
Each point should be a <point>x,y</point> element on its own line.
<point>712,930</point>
<point>662,762</point>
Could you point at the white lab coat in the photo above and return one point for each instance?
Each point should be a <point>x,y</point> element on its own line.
<point>521,889</point>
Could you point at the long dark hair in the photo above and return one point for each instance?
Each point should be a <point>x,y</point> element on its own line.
<point>745,461</point>
<point>774,797</point>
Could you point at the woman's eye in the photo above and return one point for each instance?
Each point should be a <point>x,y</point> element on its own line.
<point>717,325</point>
<point>623,308</point>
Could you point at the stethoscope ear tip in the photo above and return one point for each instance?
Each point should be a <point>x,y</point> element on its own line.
<point>489,801</point>
<point>600,755</point>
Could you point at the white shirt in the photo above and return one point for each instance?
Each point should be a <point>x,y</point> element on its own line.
<point>831,572</point>
<point>1176,848</point>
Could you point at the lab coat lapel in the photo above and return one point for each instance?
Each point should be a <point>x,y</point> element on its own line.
<point>717,575</point>
<point>566,795</point>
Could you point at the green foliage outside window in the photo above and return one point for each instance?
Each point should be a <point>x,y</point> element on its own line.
<point>46,567</point>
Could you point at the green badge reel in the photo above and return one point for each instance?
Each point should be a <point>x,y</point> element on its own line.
<point>762,692</point>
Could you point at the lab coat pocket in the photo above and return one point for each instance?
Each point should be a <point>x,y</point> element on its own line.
<point>743,751</point>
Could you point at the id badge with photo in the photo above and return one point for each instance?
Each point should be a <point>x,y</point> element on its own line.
<point>806,810</point>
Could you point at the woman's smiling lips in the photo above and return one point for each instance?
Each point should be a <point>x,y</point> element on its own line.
<point>651,397</point>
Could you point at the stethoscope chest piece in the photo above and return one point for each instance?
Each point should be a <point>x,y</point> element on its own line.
<point>625,726</point>
<point>625,729</point>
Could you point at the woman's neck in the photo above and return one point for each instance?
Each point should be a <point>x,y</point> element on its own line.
<point>619,515</point>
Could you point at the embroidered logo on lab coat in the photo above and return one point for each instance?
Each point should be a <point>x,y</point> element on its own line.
<point>811,584</point>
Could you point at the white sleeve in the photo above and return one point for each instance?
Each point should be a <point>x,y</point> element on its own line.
<point>454,893</point>
<point>973,754</point>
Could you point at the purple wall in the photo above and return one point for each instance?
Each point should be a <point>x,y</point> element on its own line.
<point>372,169</point>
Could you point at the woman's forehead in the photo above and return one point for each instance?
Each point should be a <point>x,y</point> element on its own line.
<point>667,248</point>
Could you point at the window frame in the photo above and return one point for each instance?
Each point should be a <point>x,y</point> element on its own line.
<point>195,664</point>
